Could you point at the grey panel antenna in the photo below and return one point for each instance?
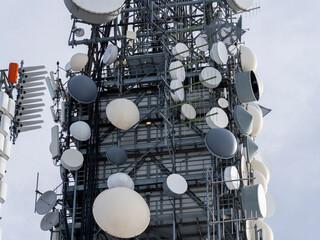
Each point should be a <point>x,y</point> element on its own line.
<point>251,146</point>
<point>116,155</point>
<point>243,120</point>
<point>82,89</point>
<point>247,87</point>
<point>221,143</point>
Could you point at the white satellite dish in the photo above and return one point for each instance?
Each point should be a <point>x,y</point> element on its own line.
<point>261,167</point>
<point>260,85</point>
<point>80,130</point>
<point>78,61</point>
<point>254,201</point>
<point>175,185</point>
<point>210,77</point>
<point>259,178</point>
<point>248,59</point>
<point>110,55</point>
<point>121,212</point>
<point>4,101</point>
<point>218,120</point>
<point>262,157</point>
<point>3,191</point>
<point>95,11</point>
<point>219,53</point>
<point>240,5</point>
<point>72,159</point>
<point>202,44</point>
<point>223,103</point>
<point>46,202</point>
<point>49,220</point>
<point>177,71</point>
<point>266,232</point>
<point>180,51</point>
<point>120,180</point>
<point>231,176</point>
<point>123,113</point>
<point>257,115</point>
<point>188,111</point>
<point>178,95</point>
<point>270,205</point>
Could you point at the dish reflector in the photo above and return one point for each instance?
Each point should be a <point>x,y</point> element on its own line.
<point>96,11</point>
<point>219,53</point>
<point>211,77</point>
<point>46,202</point>
<point>221,143</point>
<point>82,89</point>
<point>177,71</point>
<point>117,155</point>
<point>248,59</point>
<point>72,159</point>
<point>247,87</point>
<point>243,120</point>
<point>202,44</point>
<point>254,201</point>
<point>121,212</point>
<point>223,103</point>
<point>49,220</point>
<point>120,180</point>
<point>180,51</point>
<point>261,167</point>
<point>175,185</point>
<point>261,157</point>
<point>78,61</point>
<point>260,179</point>
<point>188,111</point>
<point>3,191</point>
<point>80,130</point>
<point>240,5</point>
<point>110,55</point>
<point>266,232</point>
<point>257,115</point>
<point>123,113</point>
<point>231,176</point>
<point>270,205</point>
<point>178,95</point>
<point>218,120</point>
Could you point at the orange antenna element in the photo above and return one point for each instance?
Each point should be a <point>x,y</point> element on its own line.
<point>13,73</point>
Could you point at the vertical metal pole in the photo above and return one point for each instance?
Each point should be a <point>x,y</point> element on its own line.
<point>74,205</point>
<point>208,205</point>
<point>174,221</point>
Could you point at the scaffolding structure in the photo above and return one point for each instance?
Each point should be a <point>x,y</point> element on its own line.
<point>163,142</point>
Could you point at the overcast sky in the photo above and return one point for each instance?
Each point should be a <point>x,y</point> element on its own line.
<point>284,35</point>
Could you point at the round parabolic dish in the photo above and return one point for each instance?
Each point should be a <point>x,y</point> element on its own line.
<point>180,51</point>
<point>202,44</point>
<point>219,119</point>
<point>46,202</point>
<point>254,201</point>
<point>223,103</point>
<point>78,61</point>
<point>121,212</point>
<point>175,185</point>
<point>120,180</point>
<point>210,77</point>
<point>260,85</point>
<point>96,11</point>
<point>257,115</point>
<point>240,5</point>
<point>247,87</point>
<point>231,176</point>
<point>117,155</point>
<point>260,179</point>
<point>219,53</point>
<point>49,220</point>
<point>80,130</point>
<point>270,205</point>
<point>179,94</point>
<point>221,143</point>
<point>123,113</point>
<point>177,71</point>
<point>110,55</point>
<point>248,59</point>
<point>82,89</point>
<point>188,111</point>
<point>243,120</point>
<point>262,157</point>
<point>72,159</point>
<point>267,231</point>
<point>261,167</point>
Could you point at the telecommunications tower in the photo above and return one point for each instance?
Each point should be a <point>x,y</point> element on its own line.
<point>155,125</point>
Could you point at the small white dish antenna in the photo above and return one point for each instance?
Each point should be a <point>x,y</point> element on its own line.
<point>210,77</point>
<point>188,111</point>
<point>110,55</point>
<point>117,155</point>
<point>177,71</point>
<point>49,220</point>
<point>72,159</point>
<point>259,178</point>
<point>231,176</point>
<point>178,95</point>
<point>80,130</point>
<point>219,118</point>
<point>248,59</point>
<point>240,5</point>
<point>175,185</point>
<point>257,115</point>
<point>202,44</point>
<point>180,51</point>
<point>223,103</point>
<point>78,61</point>
<point>219,53</point>
<point>46,202</point>
<point>120,180</point>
